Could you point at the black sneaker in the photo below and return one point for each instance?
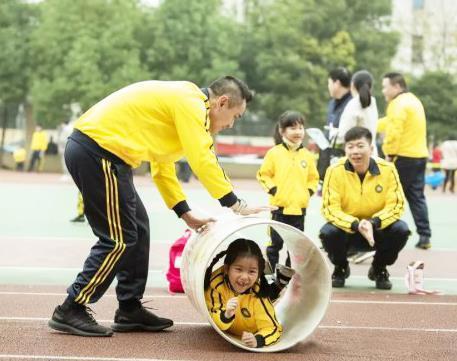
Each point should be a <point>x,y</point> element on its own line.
<point>283,275</point>
<point>139,319</point>
<point>381,277</point>
<point>77,321</point>
<point>424,242</point>
<point>339,276</point>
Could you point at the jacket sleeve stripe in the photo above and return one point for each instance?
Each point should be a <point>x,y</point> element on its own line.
<point>274,335</point>
<point>327,208</point>
<point>399,204</point>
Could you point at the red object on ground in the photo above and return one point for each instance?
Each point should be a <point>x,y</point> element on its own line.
<point>174,268</point>
<point>241,149</point>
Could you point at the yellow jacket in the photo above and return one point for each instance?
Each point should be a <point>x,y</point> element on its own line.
<point>253,314</point>
<point>19,155</point>
<point>39,141</point>
<point>406,130</point>
<point>347,200</point>
<point>381,126</point>
<point>159,121</point>
<point>290,177</point>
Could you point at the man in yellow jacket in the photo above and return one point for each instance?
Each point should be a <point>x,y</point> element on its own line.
<point>159,122</point>
<point>405,143</point>
<point>37,147</point>
<point>362,202</point>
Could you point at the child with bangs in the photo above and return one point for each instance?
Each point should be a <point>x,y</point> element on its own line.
<point>238,295</point>
<point>289,175</point>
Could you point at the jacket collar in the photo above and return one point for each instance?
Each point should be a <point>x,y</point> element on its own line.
<point>285,146</point>
<point>206,92</point>
<point>372,168</point>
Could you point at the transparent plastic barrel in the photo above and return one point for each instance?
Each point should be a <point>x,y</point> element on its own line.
<point>303,304</point>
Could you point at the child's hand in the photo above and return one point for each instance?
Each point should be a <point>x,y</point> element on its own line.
<point>249,339</point>
<point>232,304</point>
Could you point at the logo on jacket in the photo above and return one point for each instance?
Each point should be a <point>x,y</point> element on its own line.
<point>378,188</point>
<point>245,312</point>
<point>303,163</point>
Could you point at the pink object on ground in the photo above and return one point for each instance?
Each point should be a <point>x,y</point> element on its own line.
<point>414,279</point>
<point>174,268</point>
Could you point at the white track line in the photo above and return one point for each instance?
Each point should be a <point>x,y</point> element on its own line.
<point>414,329</point>
<point>56,269</point>
<point>12,293</point>
<point>324,327</point>
<point>74,239</point>
<point>91,358</point>
<point>40,319</point>
<point>162,271</point>
<point>403,278</point>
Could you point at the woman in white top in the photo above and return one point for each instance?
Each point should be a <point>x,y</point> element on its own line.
<point>361,109</point>
<point>449,162</point>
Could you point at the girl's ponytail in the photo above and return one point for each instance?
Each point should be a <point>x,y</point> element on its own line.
<point>209,270</point>
<point>363,83</point>
<point>365,95</point>
<point>264,287</point>
<point>277,135</point>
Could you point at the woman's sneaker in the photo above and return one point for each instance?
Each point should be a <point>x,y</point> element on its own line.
<point>139,319</point>
<point>77,320</point>
<point>424,242</point>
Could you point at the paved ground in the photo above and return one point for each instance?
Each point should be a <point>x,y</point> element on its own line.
<point>42,252</point>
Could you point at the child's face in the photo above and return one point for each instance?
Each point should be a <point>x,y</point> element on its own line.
<point>243,273</point>
<point>295,133</point>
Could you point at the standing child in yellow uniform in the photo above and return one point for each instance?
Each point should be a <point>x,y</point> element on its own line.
<point>37,147</point>
<point>237,295</point>
<point>19,156</point>
<point>289,174</point>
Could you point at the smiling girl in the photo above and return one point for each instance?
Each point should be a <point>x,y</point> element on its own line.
<point>289,174</point>
<point>237,295</point>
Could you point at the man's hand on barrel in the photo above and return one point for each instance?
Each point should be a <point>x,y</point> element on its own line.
<point>241,208</point>
<point>196,223</point>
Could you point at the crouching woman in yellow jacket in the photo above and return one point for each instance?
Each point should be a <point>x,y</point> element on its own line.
<point>289,174</point>
<point>237,295</point>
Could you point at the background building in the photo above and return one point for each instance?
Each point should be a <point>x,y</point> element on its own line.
<point>428,32</point>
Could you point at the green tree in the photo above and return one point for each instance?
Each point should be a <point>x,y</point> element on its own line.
<point>290,45</point>
<point>285,62</point>
<point>83,50</point>
<point>193,42</point>
<point>437,92</point>
<point>16,21</point>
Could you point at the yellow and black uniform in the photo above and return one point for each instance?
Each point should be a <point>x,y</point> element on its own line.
<point>290,177</point>
<point>154,121</point>
<point>253,314</point>
<point>406,130</point>
<point>160,122</point>
<point>37,147</point>
<point>406,141</point>
<point>19,156</point>
<point>348,198</point>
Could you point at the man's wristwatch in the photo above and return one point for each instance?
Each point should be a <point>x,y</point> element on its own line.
<point>239,206</point>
